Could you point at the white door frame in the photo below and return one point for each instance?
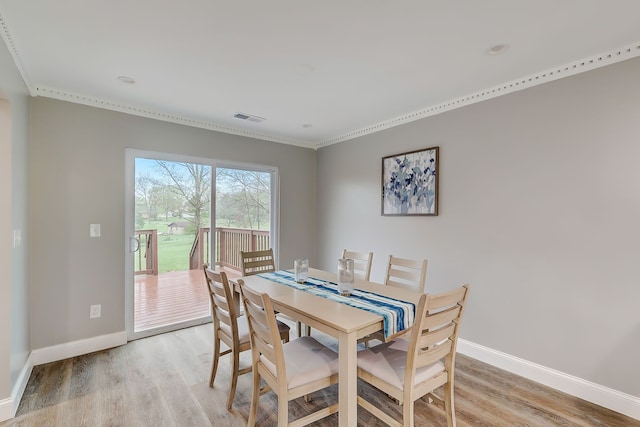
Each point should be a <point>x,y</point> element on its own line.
<point>130,155</point>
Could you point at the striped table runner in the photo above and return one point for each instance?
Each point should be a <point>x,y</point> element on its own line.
<point>397,315</point>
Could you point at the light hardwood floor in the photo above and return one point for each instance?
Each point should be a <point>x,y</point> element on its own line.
<point>163,381</point>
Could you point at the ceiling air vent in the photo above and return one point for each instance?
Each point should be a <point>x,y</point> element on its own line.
<point>249,117</point>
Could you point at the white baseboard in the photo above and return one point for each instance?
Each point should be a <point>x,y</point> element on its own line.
<point>9,407</point>
<point>21,384</point>
<point>591,392</point>
<point>77,348</point>
<point>6,409</point>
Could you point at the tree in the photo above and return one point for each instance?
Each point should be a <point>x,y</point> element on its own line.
<point>226,212</point>
<point>168,200</point>
<point>245,193</point>
<point>144,194</point>
<point>140,222</point>
<point>190,181</point>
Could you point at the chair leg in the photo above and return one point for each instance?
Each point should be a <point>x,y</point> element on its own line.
<point>407,414</point>
<point>216,357</point>
<point>449,407</point>
<point>235,370</point>
<point>255,395</point>
<point>283,411</point>
<point>299,325</point>
<point>308,330</point>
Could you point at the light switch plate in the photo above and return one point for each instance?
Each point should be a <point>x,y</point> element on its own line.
<point>17,238</point>
<point>94,230</point>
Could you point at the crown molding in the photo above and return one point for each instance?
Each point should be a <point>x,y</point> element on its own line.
<point>128,109</point>
<point>546,76</point>
<point>163,116</point>
<point>13,51</point>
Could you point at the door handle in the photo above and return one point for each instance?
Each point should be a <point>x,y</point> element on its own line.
<point>134,244</point>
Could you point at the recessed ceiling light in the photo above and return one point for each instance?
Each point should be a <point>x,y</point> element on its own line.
<point>307,125</point>
<point>497,49</point>
<point>126,79</point>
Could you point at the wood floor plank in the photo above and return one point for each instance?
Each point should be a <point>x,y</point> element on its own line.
<point>473,398</point>
<point>182,406</point>
<point>213,404</point>
<point>188,356</point>
<point>144,404</point>
<point>164,381</point>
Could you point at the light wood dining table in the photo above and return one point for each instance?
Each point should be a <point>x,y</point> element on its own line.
<point>341,321</point>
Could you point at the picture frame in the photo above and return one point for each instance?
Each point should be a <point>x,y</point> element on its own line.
<point>410,183</point>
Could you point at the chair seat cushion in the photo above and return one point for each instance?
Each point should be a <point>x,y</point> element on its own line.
<point>388,364</point>
<point>400,343</point>
<point>306,361</point>
<point>243,329</point>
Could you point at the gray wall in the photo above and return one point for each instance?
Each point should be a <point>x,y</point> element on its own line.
<point>77,162</point>
<point>538,196</point>
<point>14,280</point>
<point>539,208</point>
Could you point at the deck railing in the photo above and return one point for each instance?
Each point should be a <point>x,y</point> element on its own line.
<point>146,261</point>
<point>200,249</point>
<point>228,243</point>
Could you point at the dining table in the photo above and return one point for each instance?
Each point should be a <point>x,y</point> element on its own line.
<point>336,318</point>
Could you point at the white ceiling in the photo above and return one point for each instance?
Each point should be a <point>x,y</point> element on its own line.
<point>347,68</point>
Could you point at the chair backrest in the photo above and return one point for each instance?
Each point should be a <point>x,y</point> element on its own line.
<point>434,335</point>
<point>406,273</point>
<point>255,262</point>
<point>264,335</point>
<point>221,299</point>
<point>361,263</point>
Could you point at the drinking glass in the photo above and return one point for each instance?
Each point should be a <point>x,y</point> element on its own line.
<point>345,276</point>
<point>301,269</point>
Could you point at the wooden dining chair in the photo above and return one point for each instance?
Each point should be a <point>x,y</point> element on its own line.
<point>256,262</point>
<point>402,273</point>
<point>292,370</point>
<point>229,328</point>
<point>361,263</point>
<point>407,370</point>
<point>406,273</point>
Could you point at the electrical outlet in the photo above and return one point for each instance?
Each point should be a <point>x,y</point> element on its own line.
<point>94,311</point>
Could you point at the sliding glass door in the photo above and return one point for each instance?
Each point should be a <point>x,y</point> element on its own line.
<point>183,212</point>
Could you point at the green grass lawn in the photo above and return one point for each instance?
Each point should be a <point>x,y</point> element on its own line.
<point>173,252</point>
<point>173,249</point>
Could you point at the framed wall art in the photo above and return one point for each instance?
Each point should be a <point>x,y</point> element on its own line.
<point>410,183</point>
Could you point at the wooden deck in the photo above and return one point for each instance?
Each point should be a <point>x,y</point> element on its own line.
<point>170,298</point>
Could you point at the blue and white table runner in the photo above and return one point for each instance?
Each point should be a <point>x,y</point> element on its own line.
<point>397,315</point>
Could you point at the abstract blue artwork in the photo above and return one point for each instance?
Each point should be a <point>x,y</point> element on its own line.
<point>410,183</point>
